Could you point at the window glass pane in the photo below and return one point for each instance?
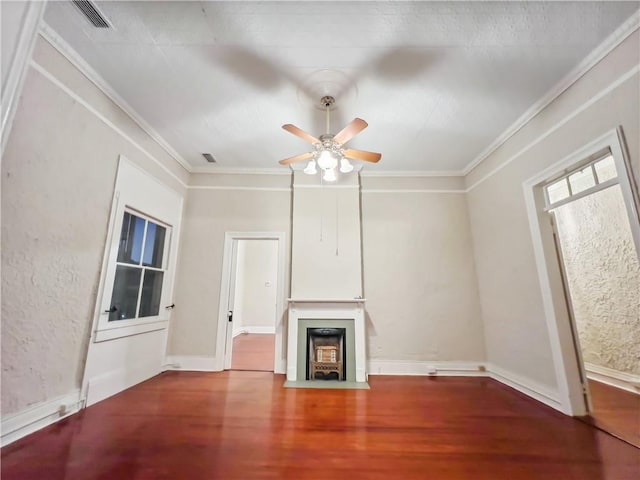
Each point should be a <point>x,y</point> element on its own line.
<point>130,249</point>
<point>605,169</point>
<point>581,180</point>
<point>125,292</point>
<point>154,245</point>
<point>558,191</point>
<point>151,291</point>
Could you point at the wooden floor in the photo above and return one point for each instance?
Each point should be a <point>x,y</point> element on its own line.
<point>253,351</point>
<point>245,425</point>
<point>616,411</point>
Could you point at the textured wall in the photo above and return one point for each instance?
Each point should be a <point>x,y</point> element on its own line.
<point>603,273</point>
<point>58,174</point>
<point>517,337</point>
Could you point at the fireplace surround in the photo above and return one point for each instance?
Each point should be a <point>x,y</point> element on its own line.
<point>347,314</point>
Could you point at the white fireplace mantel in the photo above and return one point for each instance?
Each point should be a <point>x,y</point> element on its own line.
<point>327,309</point>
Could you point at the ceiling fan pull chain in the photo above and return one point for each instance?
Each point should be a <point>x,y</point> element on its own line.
<point>337,223</point>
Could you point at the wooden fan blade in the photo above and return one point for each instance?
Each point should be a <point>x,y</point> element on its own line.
<point>363,155</point>
<point>300,133</point>
<point>350,131</point>
<point>297,158</point>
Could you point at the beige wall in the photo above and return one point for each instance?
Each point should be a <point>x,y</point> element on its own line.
<point>326,251</point>
<point>58,175</point>
<point>516,333</point>
<point>209,213</point>
<point>603,273</point>
<point>255,290</point>
<point>419,272</point>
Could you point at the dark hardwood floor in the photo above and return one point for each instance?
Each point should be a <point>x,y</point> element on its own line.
<point>245,425</point>
<point>253,351</point>
<point>616,411</point>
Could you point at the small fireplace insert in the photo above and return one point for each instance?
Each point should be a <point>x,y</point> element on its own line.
<point>326,354</point>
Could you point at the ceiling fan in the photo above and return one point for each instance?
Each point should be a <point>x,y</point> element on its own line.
<point>328,148</point>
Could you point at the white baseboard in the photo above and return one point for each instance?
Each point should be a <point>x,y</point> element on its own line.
<point>527,386</point>
<point>191,363</point>
<point>424,367</point>
<point>39,416</point>
<point>615,378</point>
<point>252,329</point>
<point>108,384</point>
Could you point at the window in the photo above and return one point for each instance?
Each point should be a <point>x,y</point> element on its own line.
<point>140,269</point>
<point>583,181</point>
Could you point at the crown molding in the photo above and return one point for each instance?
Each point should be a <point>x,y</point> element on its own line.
<point>215,170</point>
<point>597,54</point>
<point>412,173</point>
<point>57,42</point>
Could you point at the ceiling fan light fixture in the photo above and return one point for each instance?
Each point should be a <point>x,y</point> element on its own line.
<point>327,160</point>
<point>311,169</point>
<point>329,175</point>
<point>345,166</point>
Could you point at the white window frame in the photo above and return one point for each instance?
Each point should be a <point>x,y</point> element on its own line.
<point>142,195</point>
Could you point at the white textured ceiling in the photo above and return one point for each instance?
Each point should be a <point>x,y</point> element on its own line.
<point>437,82</point>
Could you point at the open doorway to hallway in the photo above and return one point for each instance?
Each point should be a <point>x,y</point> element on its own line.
<point>254,298</point>
<point>601,274</point>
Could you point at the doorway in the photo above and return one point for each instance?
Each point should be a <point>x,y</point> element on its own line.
<point>600,270</point>
<point>251,302</point>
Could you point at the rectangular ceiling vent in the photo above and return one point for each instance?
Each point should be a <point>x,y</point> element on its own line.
<point>209,158</point>
<point>92,13</point>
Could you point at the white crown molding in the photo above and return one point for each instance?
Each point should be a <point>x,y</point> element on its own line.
<point>38,416</point>
<point>76,60</point>
<point>12,87</point>
<point>52,78</point>
<point>409,190</point>
<point>605,91</point>
<point>233,187</point>
<point>602,50</point>
<point>215,170</point>
<point>412,173</point>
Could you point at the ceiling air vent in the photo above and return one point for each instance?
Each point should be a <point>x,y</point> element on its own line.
<point>92,13</point>
<point>209,158</point>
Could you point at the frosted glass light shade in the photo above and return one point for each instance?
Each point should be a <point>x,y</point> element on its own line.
<point>326,160</point>
<point>345,166</point>
<point>311,169</point>
<point>329,175</point>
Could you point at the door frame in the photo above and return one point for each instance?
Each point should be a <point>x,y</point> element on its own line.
<point>557,316</point>
<point>228,260</point>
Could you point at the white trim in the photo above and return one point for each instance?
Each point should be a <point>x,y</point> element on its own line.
<point>596,55</point>
<point>12,88</point>
<point>261,330</point>
<point>53,79</point>
<point>612,86</point>
<point>326,185</point>
<point>193,363</point>
<point>559,325</point>
<point>38,416</point>
<point>113,382</point>
<point>411,173</point>
<point>615,378</point>
<point>220,170</point>
<point>257,189</point>
<point>222,325</point>
<point>527,386</point>
<point>413,190</point>
<point>427,367</point>
<point>112,332</point>
<point>57,42</point>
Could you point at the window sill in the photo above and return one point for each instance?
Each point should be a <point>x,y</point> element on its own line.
<point>113,333</point>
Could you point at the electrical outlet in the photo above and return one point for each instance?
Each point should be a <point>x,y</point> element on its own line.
<point>432,370</point>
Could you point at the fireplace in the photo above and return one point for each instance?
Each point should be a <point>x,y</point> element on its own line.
<point>321,335</point>
<point>326,354</point>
